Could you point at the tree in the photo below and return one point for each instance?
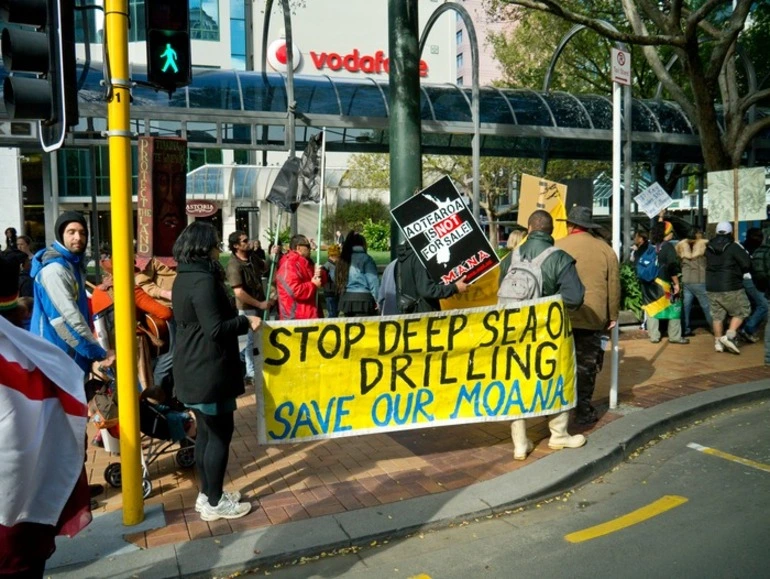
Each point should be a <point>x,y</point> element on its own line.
<point>703,36</point>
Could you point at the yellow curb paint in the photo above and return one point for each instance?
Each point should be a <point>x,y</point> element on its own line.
<point>659,507</point>
<point>731,457</point>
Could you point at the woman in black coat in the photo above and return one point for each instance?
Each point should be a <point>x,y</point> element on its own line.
<point>207,362</point>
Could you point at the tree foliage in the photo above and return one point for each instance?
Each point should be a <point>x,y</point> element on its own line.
<point>702,35</point>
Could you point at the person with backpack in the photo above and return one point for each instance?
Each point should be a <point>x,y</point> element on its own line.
<point>726,264</point>
<point>692,256</point>
<point>556,274</point>
<point>659,272</point>
<point>598,269</point>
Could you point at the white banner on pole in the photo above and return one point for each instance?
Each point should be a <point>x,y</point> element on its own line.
<point>653,200</point>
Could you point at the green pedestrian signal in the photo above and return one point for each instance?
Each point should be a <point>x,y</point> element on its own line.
<point>168,44</point>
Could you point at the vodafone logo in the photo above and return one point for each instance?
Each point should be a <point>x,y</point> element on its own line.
<point>354,61</point>
<point>278,55</point>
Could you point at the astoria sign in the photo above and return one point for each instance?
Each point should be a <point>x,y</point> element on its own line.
<point>354,61</point>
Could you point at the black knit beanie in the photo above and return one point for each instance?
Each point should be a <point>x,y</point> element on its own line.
<point>64,219</point>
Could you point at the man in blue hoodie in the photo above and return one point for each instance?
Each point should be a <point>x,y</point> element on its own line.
<point>60,313</point>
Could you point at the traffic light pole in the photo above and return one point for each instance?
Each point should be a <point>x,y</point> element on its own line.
<point>119,139</point>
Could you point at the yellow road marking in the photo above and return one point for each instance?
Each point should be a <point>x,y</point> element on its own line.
<point>654,509</point>
<point>730,457</point>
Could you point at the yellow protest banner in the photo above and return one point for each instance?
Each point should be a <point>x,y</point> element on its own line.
<point>552,195</point>
<point>330,378</point>
<point>481,293</point>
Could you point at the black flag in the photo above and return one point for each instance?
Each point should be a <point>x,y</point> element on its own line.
<point>283,193</point>
<point>309,178</point>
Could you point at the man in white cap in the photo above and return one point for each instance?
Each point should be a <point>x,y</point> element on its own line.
<point>726,263</point>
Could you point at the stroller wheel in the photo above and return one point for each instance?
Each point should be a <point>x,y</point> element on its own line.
<point>112,475</point>
<point>186,457</point>
<point>146,487</point>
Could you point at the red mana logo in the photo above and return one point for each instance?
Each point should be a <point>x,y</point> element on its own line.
<point>278,55</point>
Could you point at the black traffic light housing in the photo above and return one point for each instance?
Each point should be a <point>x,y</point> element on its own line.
<point>42,50</point>
<point>168,44</point>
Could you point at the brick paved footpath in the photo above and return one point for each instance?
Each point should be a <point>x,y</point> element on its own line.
<point>299,481</point>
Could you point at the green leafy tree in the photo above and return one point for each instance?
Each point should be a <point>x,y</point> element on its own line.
<point>703,36</point>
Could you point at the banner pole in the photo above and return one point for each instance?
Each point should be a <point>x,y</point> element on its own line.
<point>322,193</point>
<point>273,261</point>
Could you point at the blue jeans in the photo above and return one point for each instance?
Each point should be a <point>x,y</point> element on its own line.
<point>163,371</point>
<point>758,307</point>
<point>248,351</point>
<point>332,309</point>
<point>695,291</point>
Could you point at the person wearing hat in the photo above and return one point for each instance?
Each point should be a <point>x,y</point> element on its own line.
<point>60,313</point>
<point>726,264</point>
<point>597,268</point>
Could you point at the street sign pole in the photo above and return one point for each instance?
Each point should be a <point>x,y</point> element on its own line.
<point>621,75</point>
<point>121,206</point>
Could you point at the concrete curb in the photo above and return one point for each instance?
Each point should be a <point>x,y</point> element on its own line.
<point>549,476</point>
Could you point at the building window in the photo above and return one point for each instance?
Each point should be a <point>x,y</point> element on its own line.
<point>459,37</point>
<point>237,35</point>
<point>460,61</point>
<point>459,81</point>
<point>204,19</point>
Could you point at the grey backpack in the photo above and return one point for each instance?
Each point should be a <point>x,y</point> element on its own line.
<point>524,280</point>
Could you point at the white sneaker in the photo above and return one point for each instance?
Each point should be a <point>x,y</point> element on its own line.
<point>226,509</point>
<point>718,346</point>
<point>202,499</point>
<point>729,344</point>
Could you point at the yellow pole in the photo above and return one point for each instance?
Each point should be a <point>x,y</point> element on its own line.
<point>118,121</point>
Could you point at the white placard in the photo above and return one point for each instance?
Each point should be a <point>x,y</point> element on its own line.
<point>621,66</point>
<point>653,200</point>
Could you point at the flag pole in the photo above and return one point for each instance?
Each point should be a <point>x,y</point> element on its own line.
<point>273,261</point>
<point>322,193</point>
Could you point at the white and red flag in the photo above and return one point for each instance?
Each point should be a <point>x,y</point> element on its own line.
<point>43,417</point>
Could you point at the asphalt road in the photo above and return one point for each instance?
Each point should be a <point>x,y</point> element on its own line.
<point>696,503</point>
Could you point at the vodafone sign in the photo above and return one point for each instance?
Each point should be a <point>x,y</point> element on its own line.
<point>353,61</point>
<point>278,55</point>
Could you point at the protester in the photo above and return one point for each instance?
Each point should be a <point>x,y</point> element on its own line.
<point>206,363</point>
<point>750,329</point>
<point>10,239</point>
<point>244,275</point>
<point>662,296</point>
<point>514,239</point>
<point>692,256</point>
<point>24,245</point>
<point>60,313</point>
<point>330,287</point>
<point>417,292</point>
<point>298,281</point>
<point>387,298</point>
<point>258,250</point>
<point>597,267</point>
<point>357,279</point>
<point>726,263</point>
<point>559,277</point>
<point>155,277</point>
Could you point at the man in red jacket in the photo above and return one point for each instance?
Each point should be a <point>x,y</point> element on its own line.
<point>298,280</point>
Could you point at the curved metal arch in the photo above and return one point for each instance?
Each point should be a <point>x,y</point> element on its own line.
<point>580,104</point>
<point>240,89</point>
<point>430,102</point>
<point>289,137</point>
<point>472,39</point>
<point>507,103</point>
<point>336,93</point>
<point>563,44</point>
<point>652,114</point>
<point>545,103</point>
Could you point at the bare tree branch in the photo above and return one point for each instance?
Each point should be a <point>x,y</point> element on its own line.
<point>745,138</point>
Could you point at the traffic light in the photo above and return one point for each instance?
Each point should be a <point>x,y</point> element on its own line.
<point>39,56</point>
<point>168,43</point>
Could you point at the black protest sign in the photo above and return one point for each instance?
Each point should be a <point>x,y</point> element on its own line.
<point>444,235</point>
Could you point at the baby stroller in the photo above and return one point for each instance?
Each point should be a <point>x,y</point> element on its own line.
<point>165,424</point>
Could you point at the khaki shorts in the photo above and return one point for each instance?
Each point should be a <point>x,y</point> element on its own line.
<point>734,304</point>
